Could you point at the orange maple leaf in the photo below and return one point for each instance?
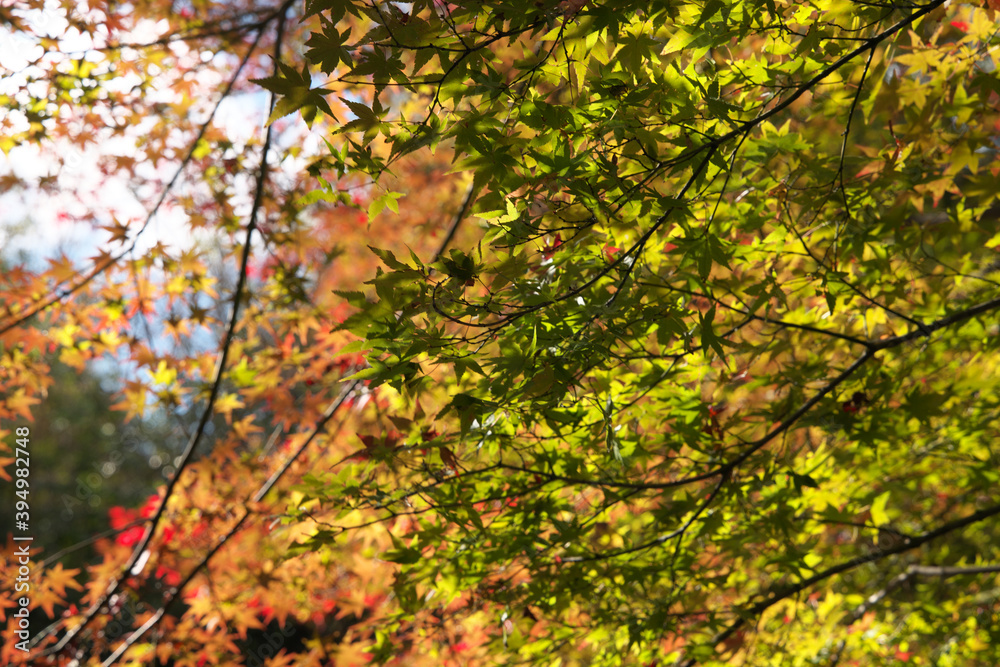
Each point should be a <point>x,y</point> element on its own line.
<point>62,269</point>
<point>242,618</point>
<point>57,578</point>
<point>6,602</point>
<point>47,599</point>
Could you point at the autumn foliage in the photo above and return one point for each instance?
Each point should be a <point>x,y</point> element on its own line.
<point>460,333</point>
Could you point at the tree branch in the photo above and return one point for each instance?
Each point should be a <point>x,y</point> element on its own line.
<point>780,592</point>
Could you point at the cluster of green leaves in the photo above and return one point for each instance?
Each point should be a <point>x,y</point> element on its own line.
<point>719,371</point>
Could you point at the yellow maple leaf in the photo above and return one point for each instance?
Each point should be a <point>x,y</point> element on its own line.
<point>134,402</point>
<point>163,374</point>
<point>20,403</point>
<point>225,405</point>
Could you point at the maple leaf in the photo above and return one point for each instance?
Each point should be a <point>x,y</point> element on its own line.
<point>62,269</point>
<point>226,403</point>
<point>7,601</point>
<point>448,457</point>
<point>202,607</point>
<point>283,659</point>
<point>245,427</point>
<point>279,607</point>
<point>57,579</point>
<point>199,315</point>
<point>352,654</point>
<point>296,92</point>
<point>164,651</point>
<point>47,599</point>
<point>134,402</point>
<point>190,261</point>
<point>117,230</point>
<point>164,374</point>
<point>243,618</point>
<point>16,275</point>
<point>19,403</point>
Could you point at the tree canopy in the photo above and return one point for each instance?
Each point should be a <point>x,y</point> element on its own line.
<point>506,331</point>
